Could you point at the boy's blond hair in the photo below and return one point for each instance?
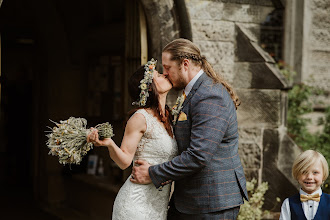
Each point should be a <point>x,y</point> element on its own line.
<point>304,162</point>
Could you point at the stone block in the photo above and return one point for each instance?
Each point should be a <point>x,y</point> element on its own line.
<point>288,151</point>
<point>250,154</point>
<point>258,76</point>
<point>321,18</point>
<point>205,10</point>
<point>226,71</point>
<point>242,77</point>
<point>250,134</point>
<point>240,11</point>
<point>259,108</point>
<point>320,39</point>
<point>251,173</point>
<point>267,76</point>
<point>320,57</point>
<point>321,101</point>
<point>213,30</point>
<point>279,185</point>
<point>246,13</point>
<point>248,50</point>
<point>251,30</point>
<point>320,75</point>
<point>320,4</point>
<point>217,52</point>
<point>250,2</point>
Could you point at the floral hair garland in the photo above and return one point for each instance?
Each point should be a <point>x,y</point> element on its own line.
<point>149,68</point>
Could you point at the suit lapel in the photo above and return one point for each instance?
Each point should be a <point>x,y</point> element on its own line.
<point>194,88</point>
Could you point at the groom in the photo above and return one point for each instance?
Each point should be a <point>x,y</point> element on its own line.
<point>208,174</point>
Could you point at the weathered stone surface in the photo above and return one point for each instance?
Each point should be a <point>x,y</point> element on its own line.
<point>258,76</point>
<point>248,50</point>
<point>325,4</point>
<point>250,134</point>
<point>250,154</point>
<point>220,55</point>
<point>246,13</point>
<point>217,52</point>
<point>251,30</point>
<point>279,185</point>
<point>161,23</point>
<point>320,39</point>
<point>251,173</point>
<point>321,18</point>
<point>226,71</point>
<point>288,151</point>
<point>242,75</point>
<point>321,101</point>
<point>267,76</point>
<point>205,10</point>
<point>319,57</point>
<point>213,30</point>
<point>320,75</point>
<point>251,2</point>
<point>215,10</point>
<point>261,108</point>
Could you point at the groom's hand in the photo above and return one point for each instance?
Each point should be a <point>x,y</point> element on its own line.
<point>140,172</point>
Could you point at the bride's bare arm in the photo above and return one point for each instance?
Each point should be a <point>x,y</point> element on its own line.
<point>123,156</point>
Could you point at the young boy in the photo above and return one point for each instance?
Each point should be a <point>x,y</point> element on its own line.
<point>310,169</point>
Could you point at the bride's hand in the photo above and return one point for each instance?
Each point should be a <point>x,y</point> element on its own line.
<point>93,137</point>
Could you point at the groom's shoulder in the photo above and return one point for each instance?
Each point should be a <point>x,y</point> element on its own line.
<point>211,88</point>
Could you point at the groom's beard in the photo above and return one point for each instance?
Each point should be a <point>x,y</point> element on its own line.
<point>179,87</point>
<point>180,83</point>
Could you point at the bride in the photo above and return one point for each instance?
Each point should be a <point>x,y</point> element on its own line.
<point>148,136</point>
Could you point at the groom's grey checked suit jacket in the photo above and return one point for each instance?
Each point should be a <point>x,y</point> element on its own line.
<point>208,173</point>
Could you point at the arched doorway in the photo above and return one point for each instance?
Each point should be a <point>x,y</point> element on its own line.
<point>62,59</point>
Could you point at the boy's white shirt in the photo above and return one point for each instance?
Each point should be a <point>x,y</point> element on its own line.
<point>309,207</point>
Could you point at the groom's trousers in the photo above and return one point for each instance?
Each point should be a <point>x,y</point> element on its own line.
<point>228,214</point>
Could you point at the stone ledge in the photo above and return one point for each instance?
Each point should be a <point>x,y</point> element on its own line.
<point>261,108</point>
<point>248,49</point>
<point>259,75</point>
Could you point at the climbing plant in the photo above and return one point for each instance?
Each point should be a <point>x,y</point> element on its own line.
<point>300,103</point>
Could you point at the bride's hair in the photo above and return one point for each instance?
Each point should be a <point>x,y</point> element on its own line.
<point>181,49</point>
<point>152,101</point>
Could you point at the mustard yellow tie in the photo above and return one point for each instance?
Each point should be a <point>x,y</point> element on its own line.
<point>184,95</point>
<point>304,198</point>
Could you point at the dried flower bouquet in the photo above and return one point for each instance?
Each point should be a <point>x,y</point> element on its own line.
<point>68,139</point>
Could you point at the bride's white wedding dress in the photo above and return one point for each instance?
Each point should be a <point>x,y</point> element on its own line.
<point>139,202</point>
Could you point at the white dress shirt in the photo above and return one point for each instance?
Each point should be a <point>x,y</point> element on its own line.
<point>309,207</point>
<point>192,82</point>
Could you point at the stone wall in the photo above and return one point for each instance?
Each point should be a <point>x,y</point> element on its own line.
<point>307,49</point>
<point>317,43</point>
<point>228,33</point>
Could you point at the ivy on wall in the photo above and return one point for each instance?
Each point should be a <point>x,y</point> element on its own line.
<point>300,103</point>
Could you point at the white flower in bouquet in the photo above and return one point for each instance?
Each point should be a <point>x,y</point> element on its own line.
<point>68,139</point>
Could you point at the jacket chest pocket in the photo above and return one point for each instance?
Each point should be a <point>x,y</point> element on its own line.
<point>182,134</point>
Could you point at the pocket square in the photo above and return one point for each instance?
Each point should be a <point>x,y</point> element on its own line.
<point>182,117</point>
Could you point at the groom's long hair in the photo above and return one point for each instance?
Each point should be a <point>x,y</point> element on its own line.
<point>152,101</point>
<point>181,49</point>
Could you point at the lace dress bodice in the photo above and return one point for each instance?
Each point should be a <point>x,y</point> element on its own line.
<point>136,201</point>
<point>155,146</point>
